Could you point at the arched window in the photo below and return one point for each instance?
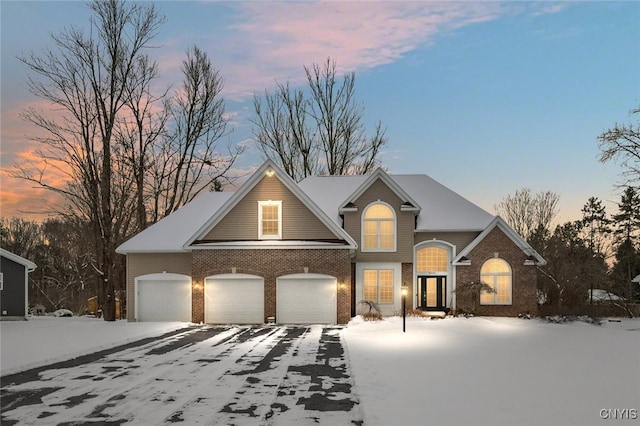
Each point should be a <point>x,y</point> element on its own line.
<point>432,259</point>
<point>496,273</point>
<point>378,228</point>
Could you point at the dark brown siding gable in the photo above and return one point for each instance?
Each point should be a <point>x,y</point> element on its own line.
<point>405,223</point>
<point>298,221</point>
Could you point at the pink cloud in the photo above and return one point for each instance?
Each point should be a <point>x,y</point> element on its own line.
<point>277,39</point>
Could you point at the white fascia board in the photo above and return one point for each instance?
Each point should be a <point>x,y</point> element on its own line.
<point>18,259</point>
<point>379,173</point>
<point>231,202</point>
<point>449,230</point>
<point>513,235</point>
<point>185,250</point>
<point>250,184</point>
<point>269,246</point>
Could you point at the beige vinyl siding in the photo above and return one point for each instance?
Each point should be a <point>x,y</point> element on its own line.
<point>298,222</point>
<point>152,263</point>
<point>458,239</point>
<point>404,225</point>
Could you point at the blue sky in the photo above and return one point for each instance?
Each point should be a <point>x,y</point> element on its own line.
<point>485,97</point>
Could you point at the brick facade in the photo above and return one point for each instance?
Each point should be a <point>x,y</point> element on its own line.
<point>523,280</point>
<point>271,264</point>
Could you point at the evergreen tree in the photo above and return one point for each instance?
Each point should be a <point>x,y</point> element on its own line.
<point>597,225</point>
<point>627,221</point>
<point>627,263</point>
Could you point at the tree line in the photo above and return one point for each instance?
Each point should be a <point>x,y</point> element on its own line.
<point>600,252</point>
<point>132,152</point>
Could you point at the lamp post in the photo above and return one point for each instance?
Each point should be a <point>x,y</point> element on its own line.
<point>404,290</point>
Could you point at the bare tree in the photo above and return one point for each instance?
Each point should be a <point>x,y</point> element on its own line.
<point>141,130</point>
<point>87,79</point>
<point>622,143</point>
<point>529,213</point>
<point>188,161</point>
<point>111,132</point>
<point>319,134</point>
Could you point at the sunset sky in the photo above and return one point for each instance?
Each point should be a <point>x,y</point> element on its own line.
<point>485,97</point>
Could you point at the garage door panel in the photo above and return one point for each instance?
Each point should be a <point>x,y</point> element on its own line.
<point>234,300</point>
<point>306,300</point>
<point>164,299</point>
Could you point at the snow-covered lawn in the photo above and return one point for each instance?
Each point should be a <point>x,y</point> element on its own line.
<point>495,371</point>
<point>477,371</point>
<point>47,339</point>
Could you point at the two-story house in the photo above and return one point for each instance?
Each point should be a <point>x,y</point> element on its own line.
<point>280,251</point>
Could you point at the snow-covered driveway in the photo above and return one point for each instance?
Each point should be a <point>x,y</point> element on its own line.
<point>202,375</point>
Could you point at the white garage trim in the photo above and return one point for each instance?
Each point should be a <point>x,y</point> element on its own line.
<point>163,297</point>
<point>234,299</point>
<point>306,299</point>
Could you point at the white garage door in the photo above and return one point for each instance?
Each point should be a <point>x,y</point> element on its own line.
<point>306,299</point>
<point>234,299</point>
<point>163,297</point>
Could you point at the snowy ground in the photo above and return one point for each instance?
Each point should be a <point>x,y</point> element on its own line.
<point>481,371</point>
<point>495,371</point>
<point>44,340</point>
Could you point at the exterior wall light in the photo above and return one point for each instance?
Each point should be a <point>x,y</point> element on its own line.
<point>270,172</point>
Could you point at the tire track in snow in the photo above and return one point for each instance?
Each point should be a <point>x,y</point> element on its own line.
<point>103,381</point>
<point>205,407</point>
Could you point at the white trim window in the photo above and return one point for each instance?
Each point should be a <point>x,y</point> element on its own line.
<point>378,285</point>
<point>378,228</point>
<point>269,220</point>
<point>496,273</point>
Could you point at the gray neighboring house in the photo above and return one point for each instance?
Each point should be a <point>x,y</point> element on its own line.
<point>14,285</point>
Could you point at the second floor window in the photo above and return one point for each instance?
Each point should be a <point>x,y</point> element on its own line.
<point>269,220</point>
<point>378,228</point>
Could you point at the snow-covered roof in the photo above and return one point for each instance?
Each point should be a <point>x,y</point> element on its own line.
<point>271,169</point>
<point>600,295</point>
<point>441,209</point>
<point>498,222</point>
<point>171,233</point>
<point>18,259</point>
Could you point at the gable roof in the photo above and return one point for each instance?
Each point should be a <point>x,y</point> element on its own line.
<point>21,260</point>
<point>379,173</point>
<point>271,169</point>
<point>440,208</point>
<point>170,233</point>
<point>176,232</point>
<point>498,222</point>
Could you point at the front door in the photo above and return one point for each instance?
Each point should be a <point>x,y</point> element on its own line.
<point>432,293</point>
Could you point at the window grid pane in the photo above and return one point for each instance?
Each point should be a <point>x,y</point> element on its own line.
<point>497,274</point>
<point>432,259</point>
<point>503,288</point>
<point>379,228</point>
<point>378,211</point>
<point>371,285</point>
<point>269,220</point>
<point>378,285</point>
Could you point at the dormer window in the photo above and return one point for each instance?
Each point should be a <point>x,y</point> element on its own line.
<point>269,220</point>
<point>379,228</point>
